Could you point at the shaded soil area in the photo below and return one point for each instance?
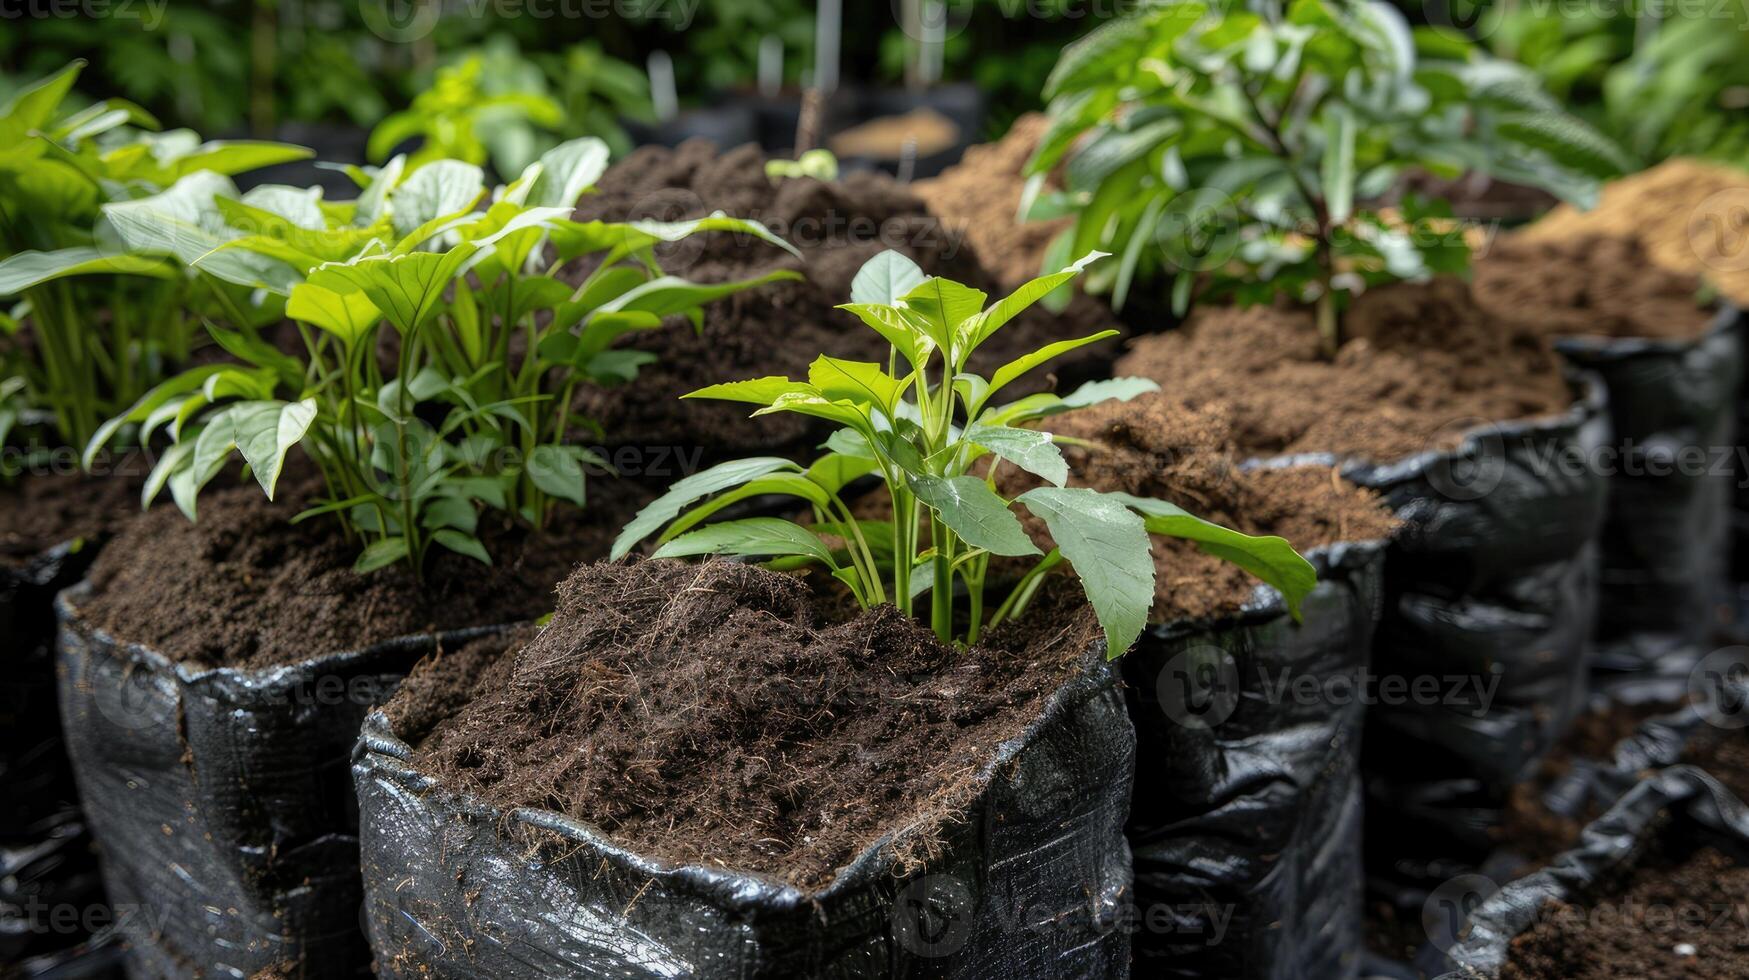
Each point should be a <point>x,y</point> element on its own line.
<point>244,587</point>
<point>1691,216</point>
<point>1392,932</point>
<point>1673,917</point>
<point>1156,447</point>
<point>779,328</point>
<point>1589,286</point>
<point>1725,754</point>
<point>979,197</point>
<point>1422,363</point>
<point>728,715</point>
<point>1528,826</point>
<point>39,512</point>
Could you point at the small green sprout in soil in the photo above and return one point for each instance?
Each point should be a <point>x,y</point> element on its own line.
<point>923,426</point>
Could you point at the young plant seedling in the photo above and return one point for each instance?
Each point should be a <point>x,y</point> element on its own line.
<point>1212,139</point>
<point>921,424</point>
<point>408,458</point>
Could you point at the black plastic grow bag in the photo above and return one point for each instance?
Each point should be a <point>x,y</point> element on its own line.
<point>221,799</point>
<point>1489,594</point>
<point>1672,468</point>
<point>51,898</point>
<point>1246,817</point>
<point>1030,884</point>
<point>1681,802</point>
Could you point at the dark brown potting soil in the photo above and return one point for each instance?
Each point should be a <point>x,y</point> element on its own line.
<point>979,198</point>
<point>780,328</point>
<point>1155,447</point>
<point>1538,834</point>
<point>38,512</point>
<point>1670,918</point>
<point>1592,286</point>
<point>727,715</point>
<point>1422,364</point>
<point>244,587</point>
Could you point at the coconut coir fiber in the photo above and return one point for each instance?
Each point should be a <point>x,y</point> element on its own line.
<point>1423,362</point>
<point>1589,286</point>
<point>723,714</point>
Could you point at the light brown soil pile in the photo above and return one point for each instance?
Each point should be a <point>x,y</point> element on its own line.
<point>1692,217</point>
<point>1423,363</point>
<point>1589,286</point>
<point>980,196</point>
<point>884,138</point>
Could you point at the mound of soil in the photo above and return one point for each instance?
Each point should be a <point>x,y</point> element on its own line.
<point>1692,217</point>
<point>1527,825</point>
<point>38,512</point>
<point>1673,917</point>
<point>978,199</point>
<point>1596,286</point>
<point>779,328</point>
<point>246,588</point>
<point>1155,447</point>
<point>726,715</point>
<point>1423,363</point>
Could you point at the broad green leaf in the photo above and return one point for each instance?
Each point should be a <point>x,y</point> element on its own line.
<point>890,323</point>
<point>857,381</point>
<point>557,473</point>
<point>462,544</point>
<point>566,171</point>
<point>238,156</point>
<point>1029,449</point>
<point>263,432</point>
<point>187,381</point>
<point>1270,558</point>
<point>1107,544</point>
<point>832,471</point>
<point>775,484</point>
<point>687,489</point>
<point>974,512</point>
<point>979,327</point>
<point>938,306</point>
<point>758,391</point>
<point>842,411</point>
<point>666,295</point>
<point>884,280</point>
<point>408,289</point>
<point>30,268</point>
<point>1011,371</point>
<point>762,537</point>
<point>380,554</point>
<point>1336,169</point>
<point>34,105</point>
<point>347,315</point>
<point>438,189</point>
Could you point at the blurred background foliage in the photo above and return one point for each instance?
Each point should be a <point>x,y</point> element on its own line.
<point>1664,77</point>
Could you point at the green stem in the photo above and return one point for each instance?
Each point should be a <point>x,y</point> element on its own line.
<point>941,599</point>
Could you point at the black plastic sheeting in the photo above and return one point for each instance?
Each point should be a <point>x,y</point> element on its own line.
<point>52,908</point>
<point>1686,805</point>
<point>1032,883</point>
<point>1246,819</point>
<point>221,800</point>
<point>1489,597</point>
<point>1673,474</point>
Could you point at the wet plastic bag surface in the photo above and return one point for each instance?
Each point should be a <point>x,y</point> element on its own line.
<point>222,802</point>
<point>1029,885</point>
<point>1246,817</point>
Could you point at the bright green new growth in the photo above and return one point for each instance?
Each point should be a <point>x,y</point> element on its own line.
<point>919,424</point>
<point>409,457</point>
<point>1205,139</point>
<point>106,323</point>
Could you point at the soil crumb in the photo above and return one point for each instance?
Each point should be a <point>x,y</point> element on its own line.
<point>1422,364</point>
<point>979,200</point>
<point>1692,217</point>
<point>778,329</point>
<point>1668,919</point>
<point>246,588</point>
<point>884,138</point>
<point>1155,447</point>
<point>1597,286</point>
<point>727,715</point>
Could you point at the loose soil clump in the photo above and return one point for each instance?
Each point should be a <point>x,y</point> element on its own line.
<point>722,714</point>
<point>1155,447</point>
<point>979,200</point>
<point>779,328</point>
<point>244,587</point>
<point>1589,286</point>
<point>1692,217</point>
<point>1424,362</point>
<point>1673,917</point>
